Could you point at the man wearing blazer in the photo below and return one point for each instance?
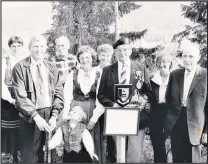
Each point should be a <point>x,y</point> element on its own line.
<point>124,72</point>
<point>39,99</point>
<point>186,97</point>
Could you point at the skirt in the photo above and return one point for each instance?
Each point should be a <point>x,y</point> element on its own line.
<point>89,106</point>
<point>9,128</point>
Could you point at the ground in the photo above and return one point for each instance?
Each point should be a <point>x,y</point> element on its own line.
<point>147,153</point>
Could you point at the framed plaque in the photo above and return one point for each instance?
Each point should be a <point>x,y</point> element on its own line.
<point>121,121</point>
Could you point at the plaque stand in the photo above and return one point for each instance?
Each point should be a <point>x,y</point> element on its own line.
<point>121,149</point>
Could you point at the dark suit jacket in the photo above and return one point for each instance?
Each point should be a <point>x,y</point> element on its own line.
<point>196,103</point>
<point>25,92</point>
<point>110,77</point>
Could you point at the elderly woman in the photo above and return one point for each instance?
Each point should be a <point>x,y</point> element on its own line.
<point>80,90</point>
<point>159,84</point>
<point>10,115</point>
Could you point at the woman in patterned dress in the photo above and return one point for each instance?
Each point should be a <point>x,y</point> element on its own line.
<point>81,90</point>
<point>10,115</point>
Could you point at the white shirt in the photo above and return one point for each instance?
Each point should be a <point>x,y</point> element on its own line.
<point>45,71</point>
<point>128,71</point>
<point>162,86</point>
<point>85,86</point>
<point>188,78</point>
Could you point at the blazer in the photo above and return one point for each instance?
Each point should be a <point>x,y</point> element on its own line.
<point>25,90</point>
<point>196,103</point>
<point>110,77</point>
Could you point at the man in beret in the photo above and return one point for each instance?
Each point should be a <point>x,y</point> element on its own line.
<point>124,72</point>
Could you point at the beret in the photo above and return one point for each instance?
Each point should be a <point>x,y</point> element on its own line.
<point>119,42</point>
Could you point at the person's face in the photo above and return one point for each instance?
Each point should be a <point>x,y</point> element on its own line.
<point>85,60</point>
<point>105,58</point>
<point>15,48</point>
<point>38,49</point>
<point>62,47</point>
<point>164,66</point>
<point>74,114</point>
<point>123,53</point>
<point>190,60</point>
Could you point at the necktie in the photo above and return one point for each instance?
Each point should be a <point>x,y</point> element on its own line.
<point>40,89</point>
<point>123,75</point>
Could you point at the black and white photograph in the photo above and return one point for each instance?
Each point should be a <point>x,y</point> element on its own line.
<point>104,81</point>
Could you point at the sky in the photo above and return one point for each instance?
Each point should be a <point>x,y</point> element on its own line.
<point>162,19</point>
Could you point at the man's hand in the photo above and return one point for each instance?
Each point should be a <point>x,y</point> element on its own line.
<point>52,122</point>
<point>204,139</point>
<point>90,125</point>
<point>42,124</point>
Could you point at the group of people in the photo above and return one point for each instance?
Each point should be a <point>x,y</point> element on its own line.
<point>66,95</point>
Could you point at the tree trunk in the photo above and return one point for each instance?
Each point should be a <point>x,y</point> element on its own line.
<point>116,20</point>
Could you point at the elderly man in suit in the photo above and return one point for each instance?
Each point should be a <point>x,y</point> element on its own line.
<point>39,99</point>
<point>124,72</point>
<point>186,97</point>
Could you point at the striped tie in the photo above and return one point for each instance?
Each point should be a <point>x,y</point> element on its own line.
<point>123,75</point>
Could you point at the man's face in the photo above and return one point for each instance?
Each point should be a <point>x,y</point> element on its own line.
<point>62,47</point>
<point>38,49</point>
<point>190,60</point>
<point>123,53</point>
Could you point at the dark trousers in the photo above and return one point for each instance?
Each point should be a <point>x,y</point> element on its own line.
<point>32,139</point>
<point>74,157</point>
<point>180,143</point>
<point>157,119</point>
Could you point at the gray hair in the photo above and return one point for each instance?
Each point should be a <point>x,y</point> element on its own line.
<point>107,48</point>
<point>37,38</point>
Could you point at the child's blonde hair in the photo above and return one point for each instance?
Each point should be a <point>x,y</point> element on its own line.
<point>81,112</point>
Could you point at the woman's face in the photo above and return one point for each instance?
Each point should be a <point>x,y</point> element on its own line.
<point>85,60</point>
<point>15,48</point>
<point>164,66</point>
<point>105,58</point>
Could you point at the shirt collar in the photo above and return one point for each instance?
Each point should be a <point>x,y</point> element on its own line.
<point>191,72</point>
<point>158,79</point>
<point>33,62</point>
<point>127,63</point>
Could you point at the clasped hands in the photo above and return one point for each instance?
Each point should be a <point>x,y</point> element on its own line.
<point>43,125</point>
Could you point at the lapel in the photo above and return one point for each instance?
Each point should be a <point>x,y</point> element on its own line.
<point>195,80</point>
<point>181,82</point>
<point>157,92</point>
<point>115,73</point>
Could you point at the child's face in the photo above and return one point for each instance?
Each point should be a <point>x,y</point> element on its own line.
<point>75,114</point>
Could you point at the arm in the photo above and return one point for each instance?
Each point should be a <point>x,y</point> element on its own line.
<point>103,99</point>
<point>58,100</point>
<point>88,141</point>
<point>56,139</point>
<point>147,89</point>
<point>68,92</point>
<point>24,104</point>
<point>5,92</point>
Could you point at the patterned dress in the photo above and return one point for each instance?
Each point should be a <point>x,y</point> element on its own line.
<point>10,115</point>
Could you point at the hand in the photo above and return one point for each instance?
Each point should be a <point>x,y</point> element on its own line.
<point>52,122</point>
<point>93,155</point>
<point>204,139</point>
<point>42,124</point>
<point>90,125</point>
<point>147,107</point>
<point>116,105</point>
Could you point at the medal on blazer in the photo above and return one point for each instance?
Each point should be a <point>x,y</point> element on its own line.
<point>140,79</point>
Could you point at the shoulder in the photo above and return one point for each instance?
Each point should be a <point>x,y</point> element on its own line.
<point>176,72</point>
<point>21,63</point>
<point>204,71</point>
<point>110,67</point>
<point>138,65</point>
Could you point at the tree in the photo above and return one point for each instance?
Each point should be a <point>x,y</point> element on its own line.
<point>196,12</point>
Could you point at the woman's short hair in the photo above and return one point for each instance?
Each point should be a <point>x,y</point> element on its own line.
<point>163,58</point>
<point>87,49</point>
<point>15,39</point>
<point>106,48</point>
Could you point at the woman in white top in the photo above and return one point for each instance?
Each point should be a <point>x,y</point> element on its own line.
<point>10,115</point>
<point>105,53</point>
<point>159,84</point>
<point>81,90</point>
